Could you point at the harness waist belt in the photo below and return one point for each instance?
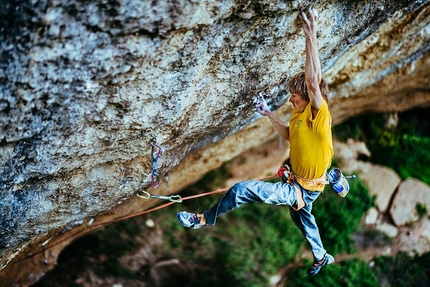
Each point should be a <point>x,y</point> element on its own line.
<point>308,184</point>
<point>321,180</point>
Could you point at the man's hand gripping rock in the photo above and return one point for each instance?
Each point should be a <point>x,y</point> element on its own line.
<point>261,106</point>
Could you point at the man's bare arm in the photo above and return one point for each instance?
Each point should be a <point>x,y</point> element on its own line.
<point>262,108</point>
<point>312,65</point>
<point>280,126</point>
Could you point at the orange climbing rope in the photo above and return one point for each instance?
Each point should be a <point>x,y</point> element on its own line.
<point>101,224</point>
<point>220,190</point>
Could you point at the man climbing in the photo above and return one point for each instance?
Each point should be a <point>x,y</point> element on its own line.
<point>311,151</point>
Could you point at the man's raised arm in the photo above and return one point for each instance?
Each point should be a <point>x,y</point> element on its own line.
<point>312,65</point>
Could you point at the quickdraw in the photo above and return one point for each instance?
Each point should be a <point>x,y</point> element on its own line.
<point>147,195</point>
<point>156,153</point>
<point>156,179</point>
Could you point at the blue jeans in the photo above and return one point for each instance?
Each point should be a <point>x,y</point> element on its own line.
<point>277,194</point>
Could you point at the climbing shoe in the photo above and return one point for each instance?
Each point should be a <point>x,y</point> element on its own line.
<point>316,267</point>
<point>187,219</point>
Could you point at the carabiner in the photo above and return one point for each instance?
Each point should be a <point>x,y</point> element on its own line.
<point>156,179</point>
<point>156,155</point>
<point>172,198</point>
<point>145,195</point>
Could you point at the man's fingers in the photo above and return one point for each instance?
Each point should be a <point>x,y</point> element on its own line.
<point>315,12</point>
<point>260,110</point>
<point>303,16</point>
<point>311,13</point>
<point>261,107</point>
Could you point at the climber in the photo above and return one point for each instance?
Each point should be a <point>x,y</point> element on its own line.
<point>311,151</point>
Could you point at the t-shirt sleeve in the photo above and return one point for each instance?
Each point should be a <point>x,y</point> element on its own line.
<point>322,119</point>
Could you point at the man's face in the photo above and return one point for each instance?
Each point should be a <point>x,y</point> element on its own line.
<point>299,104</point>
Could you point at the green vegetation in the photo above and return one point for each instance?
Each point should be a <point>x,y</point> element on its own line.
<point>351,273</point>
<point>403,270</point>
<point>338,218</point>
<point>421,210</point>
<point>403,148</point>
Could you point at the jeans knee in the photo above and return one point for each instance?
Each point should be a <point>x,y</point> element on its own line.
<point>237,187</point>
<point>239,190</point>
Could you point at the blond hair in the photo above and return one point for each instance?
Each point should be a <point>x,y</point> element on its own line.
<point>298,86</point>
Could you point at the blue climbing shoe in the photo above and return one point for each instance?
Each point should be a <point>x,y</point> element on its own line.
<point>316,267</point>
<point>187,219</point>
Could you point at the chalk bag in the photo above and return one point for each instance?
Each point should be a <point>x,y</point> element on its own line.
<point>338,182</point>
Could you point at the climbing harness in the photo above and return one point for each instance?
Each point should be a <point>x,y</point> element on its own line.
<point>156,179</point>
<point>335,178</point>
<point>288,176</point>
<point>147,195</point>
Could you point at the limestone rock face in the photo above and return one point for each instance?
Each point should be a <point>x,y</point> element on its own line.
<point>412,193</point>
<point>86,86</point>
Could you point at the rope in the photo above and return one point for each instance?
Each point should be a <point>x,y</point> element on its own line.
<point>95,226</point>
<point>220,190</point>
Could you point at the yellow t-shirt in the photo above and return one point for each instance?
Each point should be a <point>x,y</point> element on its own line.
<point>311,145</point>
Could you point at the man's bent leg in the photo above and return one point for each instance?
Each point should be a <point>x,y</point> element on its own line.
<point>251,191</point>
